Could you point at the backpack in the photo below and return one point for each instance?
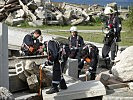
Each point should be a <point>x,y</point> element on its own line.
<point>53,49</point>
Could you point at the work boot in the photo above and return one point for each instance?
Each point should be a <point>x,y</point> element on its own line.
<point>62,84</point>
<point>53,89</point>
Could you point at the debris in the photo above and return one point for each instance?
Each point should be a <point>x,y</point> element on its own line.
<point>5,94</point>
<point>124,68</point>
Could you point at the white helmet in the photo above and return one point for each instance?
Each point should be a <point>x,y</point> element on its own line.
<point>108,10</point>
<point>73,29</point>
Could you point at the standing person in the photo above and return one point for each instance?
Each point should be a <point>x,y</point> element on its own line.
<point>110,38</point>
<point>117,26</point>
<point>54,56</point>
<point>76,44</point>
<point>31,44</point>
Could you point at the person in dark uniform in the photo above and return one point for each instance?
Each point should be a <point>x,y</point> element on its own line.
<point>31,44</point>
<point>110,38</point>
<point>76,44</point>
<point>55,58</point>
<point>90,55</point>
<point>117,26</point>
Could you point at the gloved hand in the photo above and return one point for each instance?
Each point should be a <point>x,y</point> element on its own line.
<point>43,65</point>
<point>47,63</point>
<point>31,49</point>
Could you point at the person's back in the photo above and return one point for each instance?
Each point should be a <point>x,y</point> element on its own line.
<point>117,27</point>
<point>31,43</point>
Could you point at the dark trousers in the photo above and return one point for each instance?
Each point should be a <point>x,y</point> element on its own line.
<point>58,78</point>
<point>56,72</point>
<point>109,47</point>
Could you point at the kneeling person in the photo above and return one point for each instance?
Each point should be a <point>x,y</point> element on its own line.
<point>89,55</point>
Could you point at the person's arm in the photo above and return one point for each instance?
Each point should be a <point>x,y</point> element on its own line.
<point>28,40</point>
<point>81,42</point>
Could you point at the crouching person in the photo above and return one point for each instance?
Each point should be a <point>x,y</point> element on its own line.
<point>89,55</point>
<point>53,50</point>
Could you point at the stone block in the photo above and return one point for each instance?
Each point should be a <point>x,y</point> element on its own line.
<point>16,84</point>
<point>72,65</point>
<point>78,90</point>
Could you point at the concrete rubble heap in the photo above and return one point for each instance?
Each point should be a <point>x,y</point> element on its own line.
<point>5,94</point>
<point>31,75</point>
<point>39,12</point>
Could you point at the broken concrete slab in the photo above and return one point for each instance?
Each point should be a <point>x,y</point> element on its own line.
<point>20,13</point>
<point>78,90</point>
<point>119,94</point>
<point>33,83</point>
<point>16,84</point>
<point>5,94</point>
<point>17,21</point>
<point>78,21</point>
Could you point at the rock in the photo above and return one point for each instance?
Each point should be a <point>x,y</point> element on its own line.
<point>9,19</point>
<point>33,83</point>
<point>2,2</point>
<point>107,78</point>
<point>78,21</point>
<point>10,1</point>
<point>60,19</point>
<point>38,2</point>
<point>124,68</point>
<point>27,11</point>
<point>40,13</point>
<point>53,22</point>
<point>18,21</point>
<point>78,90</point>
<point>20,14</point>
<point>113,5</point>
<point>5,94</point>
<point>32,5</point>
<point>68,14</point>
<point>36,23</point>
<point>32,24</point>
<point>29,65</point>
<point>130,85</point>
<point>31,68</point>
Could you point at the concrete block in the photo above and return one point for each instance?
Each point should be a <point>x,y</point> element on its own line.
<point>78,90</point>
<point>16,84</point>
<point>116,86</point>
<point>72,65</point>
<point>130,85</point>
<point>33,83</point>
<point>20,71</point>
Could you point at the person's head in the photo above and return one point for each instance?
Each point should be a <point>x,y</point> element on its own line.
<point>73,30</point>
<point>109,11</point>
<point>37,33</point>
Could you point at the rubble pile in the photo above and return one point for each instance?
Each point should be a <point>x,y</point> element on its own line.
<point>5,94</point>
<point>31,75</point>
<point>124,68</point>
<point>39,12</point>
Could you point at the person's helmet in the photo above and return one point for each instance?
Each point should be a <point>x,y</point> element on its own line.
<point>73,29</point>
<point>108,10</point>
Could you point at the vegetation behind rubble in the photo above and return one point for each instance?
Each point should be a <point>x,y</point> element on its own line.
<point>127,36</point>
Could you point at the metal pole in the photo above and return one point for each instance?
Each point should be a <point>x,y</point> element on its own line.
<point>4,75</point>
